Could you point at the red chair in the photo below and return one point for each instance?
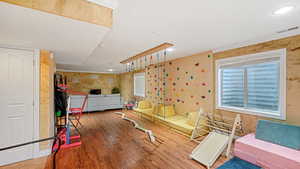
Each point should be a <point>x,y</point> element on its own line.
<point>76,113</point>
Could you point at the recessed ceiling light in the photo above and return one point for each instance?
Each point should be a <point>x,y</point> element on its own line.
<point>170,49</point>
<point>110,70</point>
<point>283,10</point>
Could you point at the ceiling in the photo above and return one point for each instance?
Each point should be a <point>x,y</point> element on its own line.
<point>138,25</point>
<point>71,41</point>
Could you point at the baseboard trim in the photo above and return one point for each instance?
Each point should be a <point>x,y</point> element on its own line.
<point>42,153</point>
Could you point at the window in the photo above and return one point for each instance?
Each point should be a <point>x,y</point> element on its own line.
<point>252,84</point>
<point>139,84</point>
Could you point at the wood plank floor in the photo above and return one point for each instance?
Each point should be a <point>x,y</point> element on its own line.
<point>112,143</point>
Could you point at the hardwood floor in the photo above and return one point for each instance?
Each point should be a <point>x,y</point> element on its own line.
<point>112,143</point>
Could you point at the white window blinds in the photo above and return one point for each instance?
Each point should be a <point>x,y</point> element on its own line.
<point>253,84</point>
<point>139,84</point>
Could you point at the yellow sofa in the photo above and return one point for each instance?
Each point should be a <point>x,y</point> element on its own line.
<point>167,116</point>
<point>144,107</point>
<point>183,123</point>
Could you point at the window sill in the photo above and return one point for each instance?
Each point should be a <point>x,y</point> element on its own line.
<point>139,95</point>
<point>252,112</point>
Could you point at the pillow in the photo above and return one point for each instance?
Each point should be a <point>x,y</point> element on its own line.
<point>144,105</point>
<point>278,133</point>
<point>166,111</point>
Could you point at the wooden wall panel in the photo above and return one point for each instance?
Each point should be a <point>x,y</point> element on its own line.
<point>47,68</point>
<point>187,88</point>
<point>188,83</point>
<point>293,77</point>
<point>126,86</point>
<point>74,9</point>
<point>24,3</point>
<point>84,82</point>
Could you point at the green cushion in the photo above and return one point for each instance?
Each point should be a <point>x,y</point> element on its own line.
<point>278,133</point>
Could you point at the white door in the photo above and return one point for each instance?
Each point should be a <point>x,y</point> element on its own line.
<point>16,104</point>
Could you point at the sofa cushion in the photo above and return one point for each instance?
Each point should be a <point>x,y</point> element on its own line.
<point>166,111</point>
<point>278,133</point>
<point>266,154</point>
<point>144,111</point>
<point>178,122</point>
<point>144,105</point>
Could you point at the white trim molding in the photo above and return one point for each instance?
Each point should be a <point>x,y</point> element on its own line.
<point>279,55</point>
<point>42,153</point>
<point>36,136</point>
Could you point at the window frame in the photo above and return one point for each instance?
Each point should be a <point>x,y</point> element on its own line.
<point>244,59</point>
<point>135,75</point>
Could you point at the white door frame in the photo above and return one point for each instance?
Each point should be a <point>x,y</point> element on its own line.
<point>36,116</point>
<point>36,98</point>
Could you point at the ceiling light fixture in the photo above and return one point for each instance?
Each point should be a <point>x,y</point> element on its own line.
<point>283,10</point>
<point>170,49</point>
<point>110,70</point>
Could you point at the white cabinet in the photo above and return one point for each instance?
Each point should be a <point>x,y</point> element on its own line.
<point>98,102</point>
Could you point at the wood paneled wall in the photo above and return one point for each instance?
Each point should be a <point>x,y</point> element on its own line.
<point>47,68</point>
<point>292,45</point>
<point>84,82</point>
<point>188,83</point>
<point>126,86</point>
<point>74,9</point>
